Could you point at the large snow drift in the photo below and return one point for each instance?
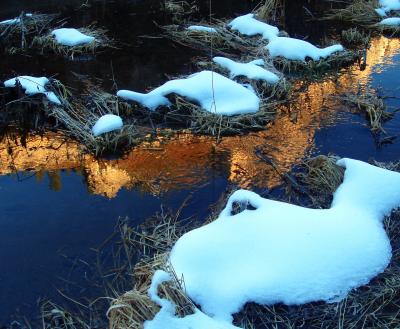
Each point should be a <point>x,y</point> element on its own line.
<point>214,92</point>
<point>107,123</point>
<point>71,37</point>
<point>280,252</point>
<point>253,70</point>
<point>296,49</point>
<point>248,25</point>
<point>33,86</point>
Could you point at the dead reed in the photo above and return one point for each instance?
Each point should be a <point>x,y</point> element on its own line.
<point>48,43</point>
<point>269,10</point>
<point>199,121</point>
<point>314,69</point>
<point>223,41</point>
<point>370,104</point>
<point>180,10</point>
<point>320,176</point>
<point>354,38</point>
<point>18,35</point>
<point>151,242</point>
<point>360,13</point>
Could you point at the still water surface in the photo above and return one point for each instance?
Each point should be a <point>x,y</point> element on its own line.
<point>57,202</point>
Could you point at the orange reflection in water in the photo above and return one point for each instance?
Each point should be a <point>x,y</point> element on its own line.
<point>189,160</point>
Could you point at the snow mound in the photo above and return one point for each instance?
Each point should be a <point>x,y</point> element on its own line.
<point>252,70</point>
<point>200,28</point>
<point>33,86</point>
<point>392,21</point>
<point>280,252</point>
<point>248,25</point>
<point>212,91</point>
<point>165,318</point>
<point>107,123</point>
<point>387,6</point>
<point>71,37</point>
<point>296,49</point>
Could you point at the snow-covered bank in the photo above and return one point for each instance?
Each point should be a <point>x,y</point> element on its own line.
<point>285,253</point>
<point>212,91</point>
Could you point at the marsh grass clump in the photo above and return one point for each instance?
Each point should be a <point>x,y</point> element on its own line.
<point>314,69</point>
<point>192,117</point>
<point>370,104</point>
<point>223,41</point>
<point>18,36</point>
<point>180,10</point>
<point>355,38</point>
<point>151,243</point>
<point>359,12</point>
<point>269,10</point>
<point>79,115</point>
<point>48,43</point>
<point>76,115</point>
<point>320,176</point>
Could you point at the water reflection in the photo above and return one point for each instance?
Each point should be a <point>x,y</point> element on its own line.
<point>189,160</point>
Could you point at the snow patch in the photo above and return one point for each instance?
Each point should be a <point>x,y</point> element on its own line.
<point>33,86</point>
<point>166,319</point>
<point>248,25</point>
<point>392,21</point>
<point>71,37</point>
<point>280,252</point>
<point>296,49</point>
<point>252,70</point>
<point>200,28</point>
<point>107,123</point>
<point>212,91</point>
<point>387,6</point>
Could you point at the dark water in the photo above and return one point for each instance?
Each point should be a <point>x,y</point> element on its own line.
<point>56,203</point>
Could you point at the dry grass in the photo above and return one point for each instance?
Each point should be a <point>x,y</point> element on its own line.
<point>355,38</point>
<point>368,103</point>
<point>151,242</point>
<point>359,12</point>
<point>223,42</point>
<point>49,43</point>
<point>269,10</point>
<point>314,69</point>
<point>199,121</point>
<point>76,116</point>
<point>18,37</point>
<point>320,176</point>
<point>179,10</point>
